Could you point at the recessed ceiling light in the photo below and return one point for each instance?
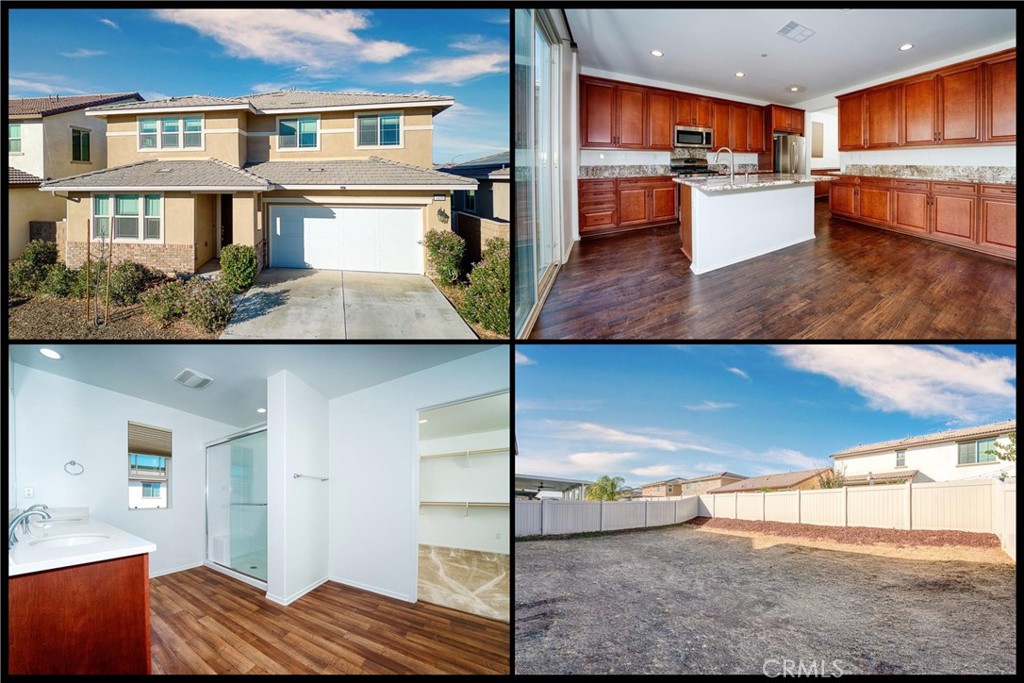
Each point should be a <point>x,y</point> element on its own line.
<point>906,46</point>
<point>261,410</point>
<point>740,74</point>
<point>657,53</point>
<point>51,354</point>
<point>794,89</point>
<point>422,421</point>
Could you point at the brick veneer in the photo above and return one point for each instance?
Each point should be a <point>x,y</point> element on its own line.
<point>167,258</point>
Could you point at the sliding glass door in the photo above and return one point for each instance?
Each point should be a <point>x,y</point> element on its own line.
<point>236,504</point>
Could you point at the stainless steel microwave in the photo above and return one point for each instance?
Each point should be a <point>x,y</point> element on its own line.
<point>688,136</point>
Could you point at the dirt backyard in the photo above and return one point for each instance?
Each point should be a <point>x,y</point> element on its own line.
<point>680,600</point>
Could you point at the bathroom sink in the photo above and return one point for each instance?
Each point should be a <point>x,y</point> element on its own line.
<point>46,524</point>
<point>69,541</point>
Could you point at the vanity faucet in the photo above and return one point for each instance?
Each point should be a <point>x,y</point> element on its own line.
<point>22,519</point>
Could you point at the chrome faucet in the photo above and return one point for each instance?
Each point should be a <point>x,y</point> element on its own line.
<point>732,162</point>
<point>23,520</point>
<point>38,506</point>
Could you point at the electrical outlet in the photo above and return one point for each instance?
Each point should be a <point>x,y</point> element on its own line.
<point>30,492</point>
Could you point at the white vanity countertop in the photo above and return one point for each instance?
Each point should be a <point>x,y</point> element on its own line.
<point>28,555</point>
<point>755,181</point>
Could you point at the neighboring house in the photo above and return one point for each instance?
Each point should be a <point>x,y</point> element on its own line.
<point>49,137</point>
<point>661,489</point>
<point>700,485</point>
<point>484,212</point>
<point>340,181</point>
<point>941,456</point>
<point>783,481</point>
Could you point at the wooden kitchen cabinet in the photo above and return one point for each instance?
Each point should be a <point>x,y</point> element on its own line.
<point>786,119</point>
<point>919,117</point>
<point>842,200</point>
<point>755,123</point>
<point>85,619</point>
<point>953,213</point>
<point>632,200</point>
<point>664,202</point>
<point>960,100</point>
<point>739,128</point>
<point>693,110</point>
<point>882,117</point>
<point>720,124</point>
<point>609,205</point>
<point>1000,87</point>
<point>851,122</point>
<point>911,203</point>
<point>598,205</point>
<point>997,220</point>
<point>660,120</point>
<point>612,114</point>
<point>630,116</point>
<point>875,200</point>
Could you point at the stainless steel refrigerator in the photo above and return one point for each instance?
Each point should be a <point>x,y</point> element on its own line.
<point>789,154</point>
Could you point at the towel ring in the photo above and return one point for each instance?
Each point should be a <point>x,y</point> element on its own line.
<point>72,463</point>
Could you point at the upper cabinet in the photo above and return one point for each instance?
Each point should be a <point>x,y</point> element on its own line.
<point>786,119</point>
<point>974,102</point>
<point>693,110</point>
<point>612,114</point>
<point>745,130</point>
<point>660,119</point>
<point>631,115</point>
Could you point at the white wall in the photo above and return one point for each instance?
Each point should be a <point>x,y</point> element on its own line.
<point>297,509</point>
<point>10,454</point>
<point>31,158</point>
<point>59,420</point>
<point>937,462</point>
<point>829,118</point>
<point>57,134</point>
<point>374,469</point>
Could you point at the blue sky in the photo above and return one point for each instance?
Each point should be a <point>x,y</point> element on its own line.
<point>652,412</point>
<point>226,52</point>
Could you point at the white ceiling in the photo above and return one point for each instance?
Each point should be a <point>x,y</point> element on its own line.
<point>239,371</point>
<point>485,414</point>
<point>705,48</point>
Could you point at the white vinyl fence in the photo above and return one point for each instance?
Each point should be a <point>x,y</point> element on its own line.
<point>980,505</point>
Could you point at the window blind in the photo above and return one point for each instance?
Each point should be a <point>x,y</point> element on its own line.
<point>146,440</point>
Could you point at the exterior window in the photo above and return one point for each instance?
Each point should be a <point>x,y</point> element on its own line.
<point>972,452</point>
<point>14,138</point>
<point>297,133</point>
<point>147,133</point>
<point>149,466</point>
<point>169,132</point>
<point>379,130</point>
<point>193,131</point>
<point>901,458</point>
<point>127,212</point>
<point>79,145</point>
<point>471,200</point>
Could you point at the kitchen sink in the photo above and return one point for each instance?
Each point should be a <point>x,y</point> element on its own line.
<point>69,541</point>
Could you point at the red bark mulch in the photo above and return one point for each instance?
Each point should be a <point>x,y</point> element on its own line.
<point>853,535</point>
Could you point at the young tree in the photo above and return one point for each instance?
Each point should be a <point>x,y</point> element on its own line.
<point>605,488</point>
<point>829,478</point>
<point>1005,451</point>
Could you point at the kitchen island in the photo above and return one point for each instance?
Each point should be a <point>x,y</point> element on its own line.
<point>723,221</point>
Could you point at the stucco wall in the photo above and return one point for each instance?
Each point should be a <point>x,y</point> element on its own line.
<point>220,139</point>
<point>500,199</point>
<point>57,133</point>
<point>205,232</point>
<point>937,462</point>
<point>31,158</point>
<point>26,204</point>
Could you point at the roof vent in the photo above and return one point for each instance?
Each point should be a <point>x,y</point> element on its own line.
<point>316,170</point>
<point>193,379</point>
<point>163,170</point>
<point>796,32</point>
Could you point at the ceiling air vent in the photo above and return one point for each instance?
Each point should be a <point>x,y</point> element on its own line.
<point>193,379</point>
<point>796,32</point>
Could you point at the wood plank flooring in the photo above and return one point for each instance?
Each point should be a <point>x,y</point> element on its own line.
<point>205,622</point>
<point>851,282</point>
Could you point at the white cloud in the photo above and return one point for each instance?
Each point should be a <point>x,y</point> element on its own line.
<point>269,87</point>
<point>710,405</point>
<point>595,461</point>
<point>153,95</point>
<point>523,359</point>
<point>584,462</point>
<point>317,39</point>
<point>458,70</point>
<point>935,382</point>
<point>739,373</point>
<point>83,52</point>
<point>501,18</point>
<point>654,471</point>
<point>790,458</point>
<point>41,84</point>
<point>111,23</point>
<point>571,404</point>
<point>589,432</point>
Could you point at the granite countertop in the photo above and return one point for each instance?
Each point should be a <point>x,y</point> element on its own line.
<point>631,171</point>
<point>754,181</point>
<point>988,175</point>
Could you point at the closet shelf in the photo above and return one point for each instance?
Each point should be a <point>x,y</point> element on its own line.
<point>459,454</point>
<point>463,504</point>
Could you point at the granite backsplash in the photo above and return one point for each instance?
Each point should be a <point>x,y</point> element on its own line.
<point>996,175</point>
<point>629,171</point>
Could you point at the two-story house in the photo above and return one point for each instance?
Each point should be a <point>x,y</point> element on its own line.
<point>483,212</point>
<point>695,487</point>
<point>941,456</point>
<point>49,137</point>
<point>339,181</point>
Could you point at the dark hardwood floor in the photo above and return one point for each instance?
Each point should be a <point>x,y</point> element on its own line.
<point>205,622</point>
<point>851,282</point>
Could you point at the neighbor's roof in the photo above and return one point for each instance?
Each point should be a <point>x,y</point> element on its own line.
<point>991,429</point>
<point>717,475</point>
<point>674,480</point>
<point>500,173</point>
<point>896,477</point>
<point>15,176</point>
<point>282,100</point>
<point>34,107</point>
<point>484,167</point>
<point>372,171</point>
<point>768,481</point>
<point>194,174</point>
<point>534,482</point>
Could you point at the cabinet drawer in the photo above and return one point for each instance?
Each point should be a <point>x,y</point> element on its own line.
<point>919,185</point>
<point>603,185</point>
<point>876,182</point>
<point>1008,191</point>
<point>955,188</point>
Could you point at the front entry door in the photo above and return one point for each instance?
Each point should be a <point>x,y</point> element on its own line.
<point>226,223</point>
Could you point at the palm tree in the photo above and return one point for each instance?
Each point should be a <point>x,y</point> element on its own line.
<point>605,488</point>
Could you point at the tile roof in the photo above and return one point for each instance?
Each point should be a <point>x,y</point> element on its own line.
<point>897,477</point>
<point>768,481</point>
<point>15,176</point>
<point>500,173</point>
<point>499,159</point>
<point>371,171</point>
<point>22,107</point>
<point>675,480</point>
<point>282,99</point>
<point>186,174</point>
<point>936,437</point>
<point>185,101</point>
<point>494,165</point>
<point>718,475</point>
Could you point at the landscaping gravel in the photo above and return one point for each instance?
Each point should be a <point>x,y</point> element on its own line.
<point>48,318</point>
<point>678,600</point>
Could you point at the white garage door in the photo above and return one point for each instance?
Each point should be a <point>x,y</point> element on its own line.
<point>383,240</point>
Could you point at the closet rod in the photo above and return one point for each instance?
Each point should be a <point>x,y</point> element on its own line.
<point>464,504</point>
<point>480,451</point>
<point>307,476</point>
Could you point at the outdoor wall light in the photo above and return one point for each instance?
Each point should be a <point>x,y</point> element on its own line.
<point>442,215</point>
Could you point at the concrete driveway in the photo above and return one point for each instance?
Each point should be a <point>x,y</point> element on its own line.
<point>330,304</point>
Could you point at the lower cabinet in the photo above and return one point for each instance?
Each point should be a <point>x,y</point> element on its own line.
<point>842,200</point>
<point>997,220</point>
<point>955,213</point>
<point>610,205</point>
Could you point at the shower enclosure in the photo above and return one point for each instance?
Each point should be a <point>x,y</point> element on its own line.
<point>236,505</point>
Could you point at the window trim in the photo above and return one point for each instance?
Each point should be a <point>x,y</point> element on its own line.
<point>88,132</point>
<point>160,147</point>
<point>142,216</point>
<point>297,147</point>
<point>904,458</point>
<point>151,485</point>
<point>977,453</point>
<point>20,138</point>
<point>378,114</point>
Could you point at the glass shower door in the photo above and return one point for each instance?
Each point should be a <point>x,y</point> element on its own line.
<point>236,504</point>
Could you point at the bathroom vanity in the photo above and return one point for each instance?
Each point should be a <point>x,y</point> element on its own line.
<point>78,600</point>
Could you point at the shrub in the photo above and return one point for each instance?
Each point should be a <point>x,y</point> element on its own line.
<point>487,299</point>
<point>166,302</point>
<point>208,304</point>
<point>238,266</point>
<point>60,281</point>
<point>40,254</point>
<point>127,282</point>
<point>22,278</point>
<point>95,272</point>
<point>445,250</point>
